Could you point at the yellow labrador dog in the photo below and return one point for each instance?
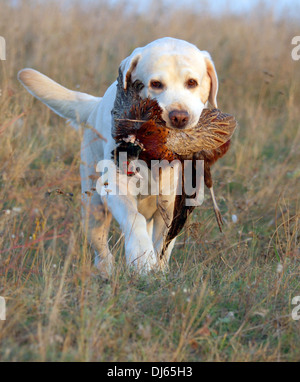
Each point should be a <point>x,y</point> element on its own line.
<point>183,80</point>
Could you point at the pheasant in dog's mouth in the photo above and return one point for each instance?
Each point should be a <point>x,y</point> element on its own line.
<point>139,130</point>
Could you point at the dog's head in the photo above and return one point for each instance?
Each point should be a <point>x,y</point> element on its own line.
<point>178,75</point>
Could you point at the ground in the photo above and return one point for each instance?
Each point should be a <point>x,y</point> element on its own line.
<point>227,297</point>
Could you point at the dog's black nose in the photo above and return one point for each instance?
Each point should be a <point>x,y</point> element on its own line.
<point>179,118</point>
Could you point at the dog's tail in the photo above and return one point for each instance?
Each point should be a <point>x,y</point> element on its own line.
<point>75,106</point>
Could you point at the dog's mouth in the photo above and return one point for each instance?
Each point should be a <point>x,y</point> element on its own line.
<point>188,126</point>
<point>178,119</point>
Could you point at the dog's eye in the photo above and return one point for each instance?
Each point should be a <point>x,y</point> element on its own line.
<point>156,85</point>
<point>191,83</point>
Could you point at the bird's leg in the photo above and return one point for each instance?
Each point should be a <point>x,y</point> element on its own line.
<point>216,209</point>
<point>209,184</point>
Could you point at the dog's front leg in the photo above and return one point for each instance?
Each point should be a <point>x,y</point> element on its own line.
<point>139,248</point>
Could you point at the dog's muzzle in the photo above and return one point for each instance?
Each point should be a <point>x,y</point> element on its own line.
<point>179,118</point>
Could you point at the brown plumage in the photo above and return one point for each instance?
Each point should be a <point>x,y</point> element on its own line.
<point>213,129</point>
<point>140,130</point>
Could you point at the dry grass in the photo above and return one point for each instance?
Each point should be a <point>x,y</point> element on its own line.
<point>224,298</point>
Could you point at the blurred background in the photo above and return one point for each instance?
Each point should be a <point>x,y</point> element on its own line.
<point>252,270</point>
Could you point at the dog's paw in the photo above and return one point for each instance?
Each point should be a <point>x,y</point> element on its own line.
<point>140,253</point>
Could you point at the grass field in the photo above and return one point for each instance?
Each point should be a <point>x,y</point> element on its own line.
<point>227,297</point>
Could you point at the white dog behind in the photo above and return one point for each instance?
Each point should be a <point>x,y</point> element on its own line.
<point>183,80</point>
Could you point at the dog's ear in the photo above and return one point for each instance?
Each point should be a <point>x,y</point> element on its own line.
<point>211,76</point>
<point>129,64</point>
<point>69,104</point>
